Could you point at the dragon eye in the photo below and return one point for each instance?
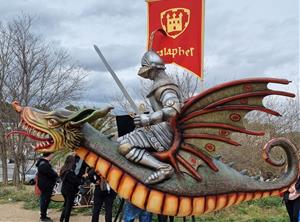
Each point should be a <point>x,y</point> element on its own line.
<point>52,122</point>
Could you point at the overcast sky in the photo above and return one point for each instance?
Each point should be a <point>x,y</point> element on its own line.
<point>242,38</point>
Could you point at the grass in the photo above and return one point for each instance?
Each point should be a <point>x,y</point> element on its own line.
<point>264,210</point>
<point>11,194</point>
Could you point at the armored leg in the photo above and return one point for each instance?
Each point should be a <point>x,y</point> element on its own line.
<point>141,156</point>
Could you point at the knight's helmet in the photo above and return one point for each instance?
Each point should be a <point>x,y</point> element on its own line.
<point>150,60</point>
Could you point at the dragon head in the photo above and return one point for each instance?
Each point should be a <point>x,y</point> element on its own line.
<point>56,129</point>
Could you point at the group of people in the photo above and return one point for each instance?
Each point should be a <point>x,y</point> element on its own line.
<point>47,178</point>
<point>103,194</point>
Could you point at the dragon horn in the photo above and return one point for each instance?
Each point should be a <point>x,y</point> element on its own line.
<point>88,115</point>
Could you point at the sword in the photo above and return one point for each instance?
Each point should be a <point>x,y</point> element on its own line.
<point>117,80</point>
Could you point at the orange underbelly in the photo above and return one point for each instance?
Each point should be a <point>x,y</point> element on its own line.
<point>159,202</point>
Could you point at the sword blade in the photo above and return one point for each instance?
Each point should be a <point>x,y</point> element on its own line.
<point>117,80</point>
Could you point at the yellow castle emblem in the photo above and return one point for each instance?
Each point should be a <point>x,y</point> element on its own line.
<point>174,21</point>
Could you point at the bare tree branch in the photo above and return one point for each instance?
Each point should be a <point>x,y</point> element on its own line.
<point>34,73</point>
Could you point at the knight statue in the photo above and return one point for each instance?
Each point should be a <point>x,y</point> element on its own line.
<point>154,132</point>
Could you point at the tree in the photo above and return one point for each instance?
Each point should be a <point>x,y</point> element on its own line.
<point>6,59</point>
<point>36,74</point>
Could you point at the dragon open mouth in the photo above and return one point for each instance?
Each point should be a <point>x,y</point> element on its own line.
<point>43,139</point>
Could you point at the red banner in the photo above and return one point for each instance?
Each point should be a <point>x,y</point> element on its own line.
<point>177,28</point>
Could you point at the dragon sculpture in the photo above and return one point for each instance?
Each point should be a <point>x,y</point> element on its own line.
<point>205,124</point>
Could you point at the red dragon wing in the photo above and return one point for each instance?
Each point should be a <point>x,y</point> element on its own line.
<point>208,120</point>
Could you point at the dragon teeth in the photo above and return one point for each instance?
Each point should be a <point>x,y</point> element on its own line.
<point>41,135</point>
<point>23,125</point>
<point>34,132</point>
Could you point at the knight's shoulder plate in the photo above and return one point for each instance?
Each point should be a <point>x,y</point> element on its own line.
<point>159,91</point>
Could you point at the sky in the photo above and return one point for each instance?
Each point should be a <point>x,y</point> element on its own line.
<point>257,38</point>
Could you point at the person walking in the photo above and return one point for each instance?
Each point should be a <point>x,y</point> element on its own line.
<point>46,181</point>
<point>102,194</point>
<point>70,184</point>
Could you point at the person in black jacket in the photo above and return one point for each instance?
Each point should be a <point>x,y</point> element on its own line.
<point>102,194</point>
<point>292,200</point>
<point>70,183</point>
<point>46,181</point>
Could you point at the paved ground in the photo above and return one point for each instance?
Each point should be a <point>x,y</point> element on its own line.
<point>16,213</point>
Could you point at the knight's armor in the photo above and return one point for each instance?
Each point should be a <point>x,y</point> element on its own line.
<point>155,132</point>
